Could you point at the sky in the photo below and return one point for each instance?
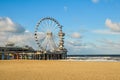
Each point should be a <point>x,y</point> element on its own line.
<point>91,26</point>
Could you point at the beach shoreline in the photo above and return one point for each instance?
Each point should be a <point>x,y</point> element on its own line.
<point>58,70</point>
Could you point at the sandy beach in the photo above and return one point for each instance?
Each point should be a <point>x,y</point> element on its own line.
<point>58,70</point>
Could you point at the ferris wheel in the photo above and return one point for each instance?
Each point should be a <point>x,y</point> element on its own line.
<point>47,34</point>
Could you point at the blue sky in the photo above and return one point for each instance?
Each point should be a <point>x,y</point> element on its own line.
<point>97,22</point>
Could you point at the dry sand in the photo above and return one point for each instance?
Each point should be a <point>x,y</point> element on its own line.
<point>58,70</point>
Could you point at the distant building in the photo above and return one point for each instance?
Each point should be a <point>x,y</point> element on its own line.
<point>12,52</point>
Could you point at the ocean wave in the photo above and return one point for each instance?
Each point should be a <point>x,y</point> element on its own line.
<point>116,59</point>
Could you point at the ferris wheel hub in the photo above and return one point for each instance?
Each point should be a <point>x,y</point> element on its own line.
<point>49,33</point>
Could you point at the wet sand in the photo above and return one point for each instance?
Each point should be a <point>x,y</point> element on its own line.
<point>58,70</point>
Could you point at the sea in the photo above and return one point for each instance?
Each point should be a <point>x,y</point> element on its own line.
<point>111,58</point>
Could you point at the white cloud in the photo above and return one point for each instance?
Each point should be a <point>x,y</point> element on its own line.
<point>112,25</point>
<point>109,44</point>
<point>104,46</point>
<point>15,33</point>
<point>109,32</point>
<point>22,39</point>
<point>95,1</point>
<point>114,28</point>
<point>7,25</point>
<point>26,38</point>
<point>75,35</point>
<point>73,43</point>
